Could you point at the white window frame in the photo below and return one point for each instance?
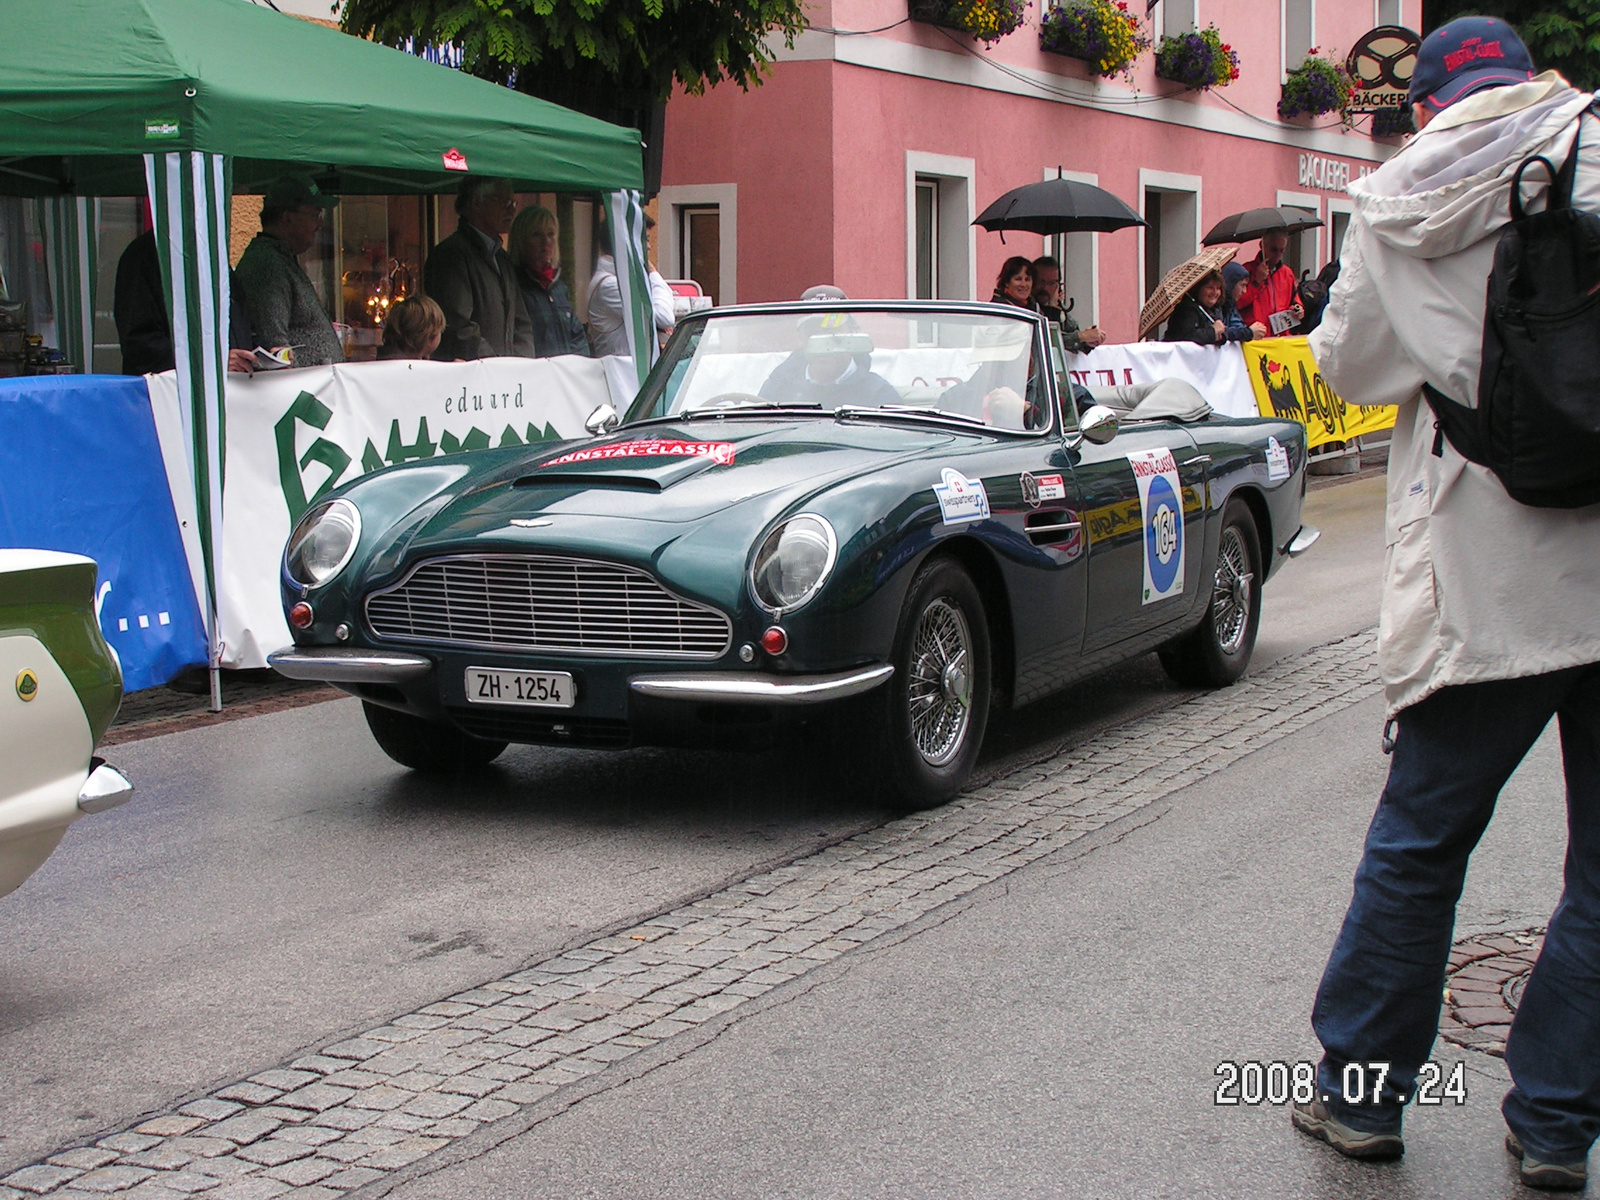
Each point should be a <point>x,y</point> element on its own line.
<point>1166,30</point>
<point>1167,181</point>
<point>1314,202</point>
<point>1377,14</point>
<point>725,196</point>
<point>1283,35</point>
<point>1090,315</point>
<point>957,239</point>
<point>1347,208</point>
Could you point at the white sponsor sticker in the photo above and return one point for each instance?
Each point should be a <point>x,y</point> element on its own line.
<point>1277,460</point>
<point>1161,511</point>
<point>961,500</point>
<point>1052,487</point>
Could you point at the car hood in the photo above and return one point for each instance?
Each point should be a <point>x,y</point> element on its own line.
<point>682,473</point>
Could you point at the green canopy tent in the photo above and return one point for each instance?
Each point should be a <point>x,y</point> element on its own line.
<point>189,101</point>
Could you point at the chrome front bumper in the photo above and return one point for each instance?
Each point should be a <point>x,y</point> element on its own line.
<point>334,664</point>
<point>728,687</point>
<point>105,788</point>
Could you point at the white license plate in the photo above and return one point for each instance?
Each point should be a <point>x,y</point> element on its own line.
<point>538,689</point>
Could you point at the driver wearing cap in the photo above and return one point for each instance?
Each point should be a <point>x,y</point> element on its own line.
<point>832,368</point>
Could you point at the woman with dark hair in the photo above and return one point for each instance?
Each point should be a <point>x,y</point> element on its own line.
<point>1015,285</point>
<point>1204,316</point>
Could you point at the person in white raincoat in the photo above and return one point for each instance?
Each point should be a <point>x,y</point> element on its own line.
<point>1490,621</point>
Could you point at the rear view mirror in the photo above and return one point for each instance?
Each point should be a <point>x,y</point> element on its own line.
<point>602,420</point>
<point>1098,424</point>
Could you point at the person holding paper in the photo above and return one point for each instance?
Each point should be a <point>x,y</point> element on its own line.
<point>1270,297</point>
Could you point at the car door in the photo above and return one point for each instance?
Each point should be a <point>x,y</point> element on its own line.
<point>1144,558</point>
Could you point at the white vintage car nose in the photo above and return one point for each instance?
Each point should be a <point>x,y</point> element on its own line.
<point>105,788</point>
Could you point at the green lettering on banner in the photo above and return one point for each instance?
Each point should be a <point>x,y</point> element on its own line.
<point>476,439</point>
<point>509,438</point>
<point>398,452</point>
<point>308,410</point>
<point>371,460</point>
<point>548,434</point>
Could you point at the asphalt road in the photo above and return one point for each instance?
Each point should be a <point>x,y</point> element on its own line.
<point>278,882</point>
<point>1057,1035</point>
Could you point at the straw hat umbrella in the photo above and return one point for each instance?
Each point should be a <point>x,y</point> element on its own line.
<point>1176,283</point>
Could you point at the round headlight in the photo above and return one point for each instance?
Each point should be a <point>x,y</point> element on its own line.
<point>322,543</point>
<point>793,563</point>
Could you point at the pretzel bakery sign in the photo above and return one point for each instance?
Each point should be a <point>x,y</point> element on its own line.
<point>1380,65</point>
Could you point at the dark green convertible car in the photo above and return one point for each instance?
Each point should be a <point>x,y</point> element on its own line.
<point>862,521</point>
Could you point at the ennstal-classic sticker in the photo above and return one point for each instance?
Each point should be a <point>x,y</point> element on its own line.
<point>1161,512</point>
<point>722,452</point>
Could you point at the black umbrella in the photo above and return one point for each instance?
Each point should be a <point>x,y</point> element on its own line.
<point>1058,206</point>
<point>1247,226</point>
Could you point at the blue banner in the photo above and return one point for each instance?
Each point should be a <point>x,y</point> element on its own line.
<point>81,471</point>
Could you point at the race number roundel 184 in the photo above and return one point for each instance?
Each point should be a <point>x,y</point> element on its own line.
<point>1161,511</point>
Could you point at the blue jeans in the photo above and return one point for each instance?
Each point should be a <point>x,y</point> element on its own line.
<point>1381,992</point>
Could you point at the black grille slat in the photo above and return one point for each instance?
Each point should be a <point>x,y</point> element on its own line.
<point>539,603</point>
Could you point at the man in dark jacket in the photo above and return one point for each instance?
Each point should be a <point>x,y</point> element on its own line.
<point>284,307</point>
<point>471,278</point>
<point>140,310</point>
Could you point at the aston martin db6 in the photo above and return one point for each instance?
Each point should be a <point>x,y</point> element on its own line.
<point>865,522</point>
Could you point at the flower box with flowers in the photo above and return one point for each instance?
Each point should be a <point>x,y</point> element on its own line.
<point>986,20</point>
<point>1104,33</point>
<point>1318,85</point>
<point>1198,60</point>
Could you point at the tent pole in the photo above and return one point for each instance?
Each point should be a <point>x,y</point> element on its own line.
<point>189,201</point>
<point>625,215</point>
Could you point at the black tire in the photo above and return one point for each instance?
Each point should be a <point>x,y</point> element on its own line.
<point>1218,650</point>
<point>934,710</point>
<point>428,746</point>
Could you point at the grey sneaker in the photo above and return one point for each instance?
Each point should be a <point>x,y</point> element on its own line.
<point>1551,1177</point>
<point>1314,1120</point>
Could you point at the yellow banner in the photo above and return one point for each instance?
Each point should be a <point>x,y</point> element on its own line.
<point>1288,385</point>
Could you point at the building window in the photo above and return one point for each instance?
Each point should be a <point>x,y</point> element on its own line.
<point>1178,16</point>
<point>700,247</point>
<point>1299,31</point>
<point>1171,235</point>
<point>939,237</point>
<point>927,239</point>
<point>1388,13</point>
<point>1338,226</point>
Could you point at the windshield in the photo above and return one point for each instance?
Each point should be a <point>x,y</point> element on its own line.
<point>971,367</point>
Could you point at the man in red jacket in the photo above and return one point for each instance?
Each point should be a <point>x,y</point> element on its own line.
<point>1271,286</point>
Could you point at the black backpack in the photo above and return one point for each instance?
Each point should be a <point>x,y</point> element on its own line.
<point>1537,424</point>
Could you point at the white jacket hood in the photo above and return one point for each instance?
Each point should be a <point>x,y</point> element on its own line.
<point>1451,186</point>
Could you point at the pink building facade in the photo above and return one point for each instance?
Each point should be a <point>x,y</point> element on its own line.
<point>864,157</point>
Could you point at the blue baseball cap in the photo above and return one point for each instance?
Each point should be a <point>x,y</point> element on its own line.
<point>1466,56</point>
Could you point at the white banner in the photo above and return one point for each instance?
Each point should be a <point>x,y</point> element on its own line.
<point>1218,371</point>
<point>295,435</point>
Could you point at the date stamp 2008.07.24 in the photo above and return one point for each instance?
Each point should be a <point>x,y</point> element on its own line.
<point>1278,1082</point>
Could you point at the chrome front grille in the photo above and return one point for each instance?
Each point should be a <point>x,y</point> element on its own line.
<point>544,603</point>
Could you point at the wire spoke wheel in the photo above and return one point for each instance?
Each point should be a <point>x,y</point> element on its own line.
<point>939,692</point>
<point>1231,591</point>
<point>1217,650</point>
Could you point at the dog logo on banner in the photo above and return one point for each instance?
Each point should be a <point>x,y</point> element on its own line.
<point>1161,511</point>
